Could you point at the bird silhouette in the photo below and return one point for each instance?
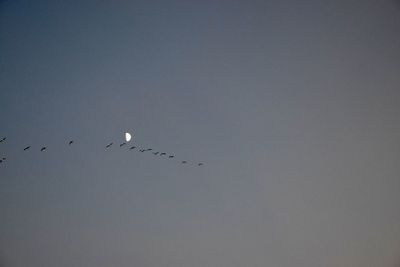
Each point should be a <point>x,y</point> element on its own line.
<point>200,164</point>
<point>156,153</point>
<point>26,148</point>
<point>132,147</point>
<point>184,161</point>
<point>71,142</point>
<point>110,144</point>
<point>122,144</point>
<point>171,156</point>
<point>149,149</point>
<point>43,149</point>
<point>3,139</point>
<point>142,150</point>
<point>1,161</point>
<point>162,154</point>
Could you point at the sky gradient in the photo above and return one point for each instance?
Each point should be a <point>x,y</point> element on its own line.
<point>292,105</point>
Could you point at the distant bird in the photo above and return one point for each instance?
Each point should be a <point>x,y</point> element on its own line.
<point>132,147</point>
<point>142,150</point>
<point>162,154</point>
<point>171,156</point>
<point>3,139</point>
<point>110,144</point>
<point>71,142</point>
<point>2,160</point>
<point>26,148</point>
<point>200,164</point>
<point>149,149</point>
<point>156,153</point>
<point>43,149</point>
<point>184,161</point>
<point>122,144</point>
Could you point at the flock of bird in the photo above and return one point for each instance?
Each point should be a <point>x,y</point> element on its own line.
<point>142,150</point>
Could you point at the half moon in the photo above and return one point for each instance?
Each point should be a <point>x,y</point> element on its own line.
<point>128,137</point>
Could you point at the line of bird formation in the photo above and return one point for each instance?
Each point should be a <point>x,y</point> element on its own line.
<point>141,150</point>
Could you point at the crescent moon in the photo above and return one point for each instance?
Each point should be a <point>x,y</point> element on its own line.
<point>128,137</point>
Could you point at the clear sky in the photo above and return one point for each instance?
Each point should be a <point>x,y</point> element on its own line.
<point>293,106</point>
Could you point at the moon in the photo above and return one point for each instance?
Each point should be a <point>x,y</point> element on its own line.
<point>128,137</point>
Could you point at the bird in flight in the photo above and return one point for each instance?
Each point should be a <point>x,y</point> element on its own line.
<point>156,153</point>
<point>43,149</point>
<point>184,161</point>
<point>171,156</point>
<point>200,164</point>
<point>121,145</point>
<point>71,142</point>
<point>110,144</point>
<point>3,139</point>
<point>26,148</point>
<point>162,154</point>
<point>132,147</point>
<point>2,160</point>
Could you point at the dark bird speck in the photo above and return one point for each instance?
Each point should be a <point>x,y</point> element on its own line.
<point>110,144</point>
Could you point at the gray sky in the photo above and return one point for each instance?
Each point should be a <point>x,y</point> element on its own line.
<point>292,105</point>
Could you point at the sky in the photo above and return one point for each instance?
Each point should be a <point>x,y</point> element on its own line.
<point>293,106</point>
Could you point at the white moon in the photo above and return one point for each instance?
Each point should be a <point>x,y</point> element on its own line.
<point>128,137</point>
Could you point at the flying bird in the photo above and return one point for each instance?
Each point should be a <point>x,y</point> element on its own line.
<point>142,150</point>
<point>132,147</point>
<point>184,161</point>
<point>121,145</point>
<point>43,149</point>
<point>156,153</point>
<point>110,144</point>
<point>200,164</point>
<point>149,149</point>
<point>71,142</point>
<point>3,139</point>
<point>162,154</point>
<point>26,148</point>
<point>171,156</point>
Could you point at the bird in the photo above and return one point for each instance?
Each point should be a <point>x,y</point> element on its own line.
<point>132,147</point>
<point>170,156</point>
<point>70,142</point>
<point>43,149</point>
<point>3,139</point>
<point>122,144</point>
<point>142,150</point>
<point>162,154</point>
<point>156,153</point>
<point>149,149</point>
<point>26,148</point>
<point>200,164</point>
<point>1,161</point>
<point>184,161</point>
<point>4,158</point>
<point>110,144</point>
